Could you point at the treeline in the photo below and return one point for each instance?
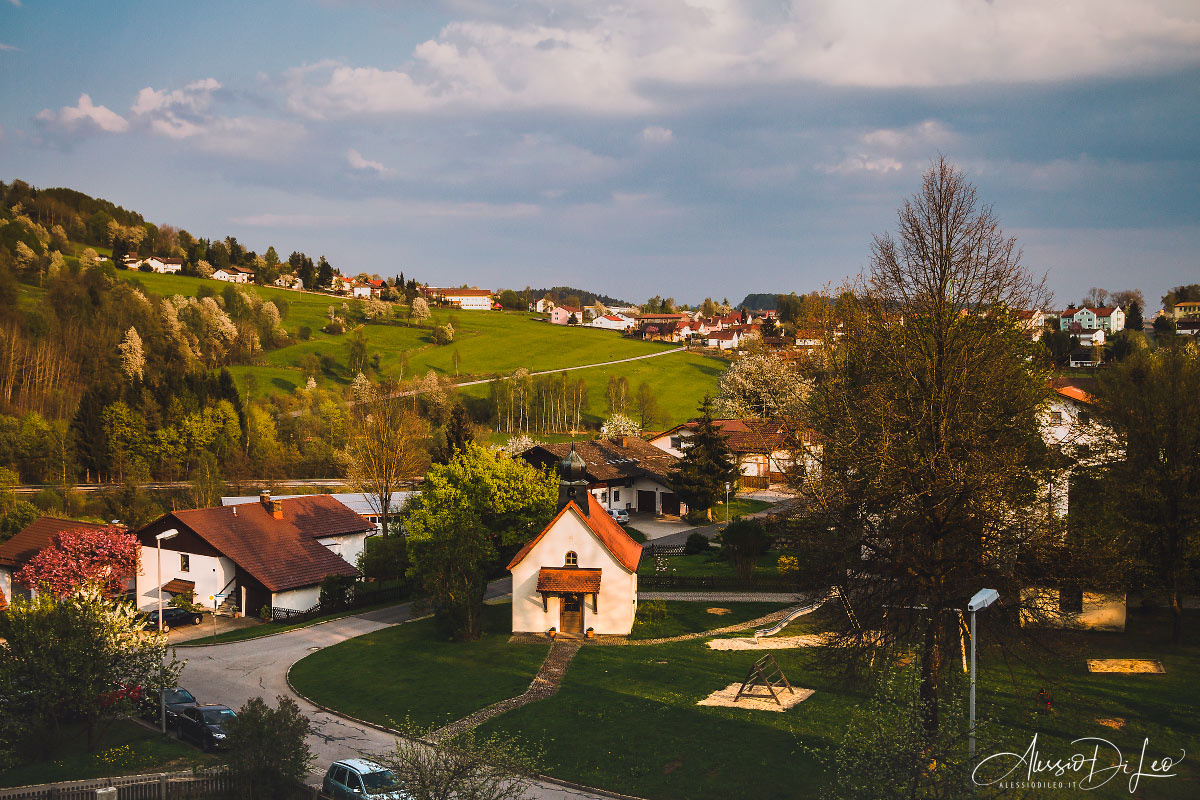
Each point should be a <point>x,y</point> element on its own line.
<point>564,294</point>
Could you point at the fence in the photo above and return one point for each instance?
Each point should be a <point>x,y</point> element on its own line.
<point>215,782</point>
<point>722,583</point>
<point>357,597</point>
<point>651,550</point>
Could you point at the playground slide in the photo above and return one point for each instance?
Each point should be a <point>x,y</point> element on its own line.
<point>799,612</point>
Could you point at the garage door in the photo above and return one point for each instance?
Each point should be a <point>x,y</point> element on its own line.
<point>646,504</point>
<point>670,504</point>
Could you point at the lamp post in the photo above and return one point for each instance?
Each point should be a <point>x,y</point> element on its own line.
<point>982,599</point>
<point>726,504</point>
<point>162,692</point>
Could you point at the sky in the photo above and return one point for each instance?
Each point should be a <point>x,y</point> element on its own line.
<point>682,148</point>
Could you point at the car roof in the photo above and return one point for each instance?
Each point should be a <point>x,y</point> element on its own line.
<point>361,765</point>
<point>208,706</point>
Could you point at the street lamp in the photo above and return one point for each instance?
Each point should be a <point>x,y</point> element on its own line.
<point>982,599</point>
<point>726,504</point>
<point>162,692</point>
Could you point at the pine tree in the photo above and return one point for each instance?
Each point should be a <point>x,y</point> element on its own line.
<point>707,465</point>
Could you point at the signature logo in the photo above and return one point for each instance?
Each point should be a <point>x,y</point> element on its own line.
<point>1096,763</point>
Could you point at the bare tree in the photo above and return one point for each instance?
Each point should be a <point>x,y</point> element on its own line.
<point>1095,298</point>
<point>927,430</point>
<point>387,447</point>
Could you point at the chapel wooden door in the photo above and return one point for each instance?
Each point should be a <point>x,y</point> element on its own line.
<point>570,613</point>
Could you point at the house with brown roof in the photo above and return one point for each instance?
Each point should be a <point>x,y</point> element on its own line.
<point>28,542</point>
<point>763,447</point>
<point>273,552</point>
<point>580,572</point>
<point>622,472</point>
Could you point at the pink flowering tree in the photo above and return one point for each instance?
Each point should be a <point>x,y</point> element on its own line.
<point>108,557</point>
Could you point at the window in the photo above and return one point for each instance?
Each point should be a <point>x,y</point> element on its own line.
<point>676,442</point>
<point>571,559</point>
<point>185,562</point>
<point>616,495</point>
<point>1056,417</point>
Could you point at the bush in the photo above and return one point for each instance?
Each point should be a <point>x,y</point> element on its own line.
<point>651,611</point>
<point>264,613</point>
<point>48,500</point>
<point>383,556</point>
<point>305,333</point>
<point>185,600</point>
<point>268,749</point>
<point>742,543</point>
<point>696,543</point>
<point>335,591</point>
<point>335,327</point>
<point>443,334</point>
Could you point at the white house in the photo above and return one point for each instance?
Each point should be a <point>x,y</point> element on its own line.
<point>289,282</point>
<point>613,322</point>
<point>1087,319</point>
<point>270,552</point>
<point>623,472</point>
<point>723,339</point>
<point>467,299</point>
<point>360,290</point>
<point>580,572</point>
<point>164,266</point>
<point>234,274</point>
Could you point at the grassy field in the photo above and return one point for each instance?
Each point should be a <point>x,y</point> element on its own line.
<point>683,617</point>
<point>127,748</point>
<point>486,343</point>
<point>406,672</point>
<point>705,564</point>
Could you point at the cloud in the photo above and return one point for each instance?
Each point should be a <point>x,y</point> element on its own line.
<point>356,161</point>
<point>4,46</point>
<point>626,58</point>
<point>883,150</point>
<point>392,212</point>
<point>81,117</point>
<point>656,134</point>
<point>186,115</point>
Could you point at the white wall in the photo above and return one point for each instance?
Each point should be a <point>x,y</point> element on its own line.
<point>471,303</point>
<point>348,546</point>
<point>618,586</point>
<point>300,599</point>
<point>6,583</point>
<point>628,494</point>
<point>210,573</point>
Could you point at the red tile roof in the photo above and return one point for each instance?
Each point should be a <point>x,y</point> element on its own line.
<point>1074,393</point>
<point>614,538</point>
<point>568,579</point>
<point>283,553</point>
<point>465,292</point>
<point>608,459</point>
<point>37,535</point>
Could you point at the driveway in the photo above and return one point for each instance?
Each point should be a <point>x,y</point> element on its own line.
<point>658,527</point>
<point>233,673</point>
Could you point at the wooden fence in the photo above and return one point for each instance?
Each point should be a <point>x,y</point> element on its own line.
<point>358,597</point>
<point>215,782</point>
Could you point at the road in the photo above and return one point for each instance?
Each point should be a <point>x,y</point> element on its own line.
<point>233,673</point>
<point>34,488</point>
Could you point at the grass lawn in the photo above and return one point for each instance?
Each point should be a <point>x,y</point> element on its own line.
<point>684,617</point>
<point>705,564</point>
<point>270,628</point>
<point>739,507</point>
<point>613,697</point>
<point>407,672</point>
<point>126,748</point>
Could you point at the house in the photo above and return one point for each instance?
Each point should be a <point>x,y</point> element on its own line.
<point>1033,322</point>
<point>466,299</point>
<point>1110,320</point>
<point>360,503</point>
<point>234,274</point>
<point>763,448</point>
<point>28,542</point>
<point>164,266</point>
<point>622,472</point>
<point>613,322</point>
<point>1084,357</point>
<point>723,339</point>
<point>1067,426</point>
<point>580,572</point>
<point>289,282</point>
<point>131,262</point>
<point>1186,308</point>
<point>360,290</point>
<point>542,306</point>
<point>1187,327</point>
<point>561,315</point>
<point>377,286</point>
<point>340,285</point>
<point>268,553</point>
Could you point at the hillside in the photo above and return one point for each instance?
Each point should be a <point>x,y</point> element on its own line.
<point>486,343</point>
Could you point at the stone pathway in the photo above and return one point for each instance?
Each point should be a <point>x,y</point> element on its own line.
<point>545,684</point>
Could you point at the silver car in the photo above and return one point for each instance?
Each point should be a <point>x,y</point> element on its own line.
<point>358,778</point>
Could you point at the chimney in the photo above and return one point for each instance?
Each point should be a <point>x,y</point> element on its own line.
<point>264,497</point>
<point>277,509</point>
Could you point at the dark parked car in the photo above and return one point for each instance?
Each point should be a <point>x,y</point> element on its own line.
<point>177,700</point>
<point>205,725</point>
<point>358,778</point>
<point>172,618</point>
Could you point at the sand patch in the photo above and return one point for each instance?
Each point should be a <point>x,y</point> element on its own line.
<point>718,611</point>
<point>773,643</point>
<point>724,698</point>
<point>1128,666</point>
<point>1116,723</point>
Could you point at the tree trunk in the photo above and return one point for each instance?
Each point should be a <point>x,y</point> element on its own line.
<point>931,667</point>
<point>1176,616</point>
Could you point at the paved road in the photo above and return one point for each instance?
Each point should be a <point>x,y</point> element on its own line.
<point>233,673</point>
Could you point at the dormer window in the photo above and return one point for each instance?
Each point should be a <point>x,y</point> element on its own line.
<point>571,559</point>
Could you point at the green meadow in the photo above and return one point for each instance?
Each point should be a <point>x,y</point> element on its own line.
<point>486,344</point>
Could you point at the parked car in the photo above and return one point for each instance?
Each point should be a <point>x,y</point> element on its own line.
<point>621,515</point>
<point>357,778</point>
<point>205,725</point>
<point>172,618</point>
<point>176,700</point>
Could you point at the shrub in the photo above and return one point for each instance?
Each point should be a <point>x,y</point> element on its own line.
<point>335,327</point>
<point>383,556</point>
<point>264,613</point>
<point>48,500</point>
<point>268,748</point>
<point>443,334</point>
<point>185,600</point>
<point>335,590</point>
<point>788,565</point>
<point>305,333</point>
<point>651,611</point>
<point>696,543</point>
<point>742,543</point>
